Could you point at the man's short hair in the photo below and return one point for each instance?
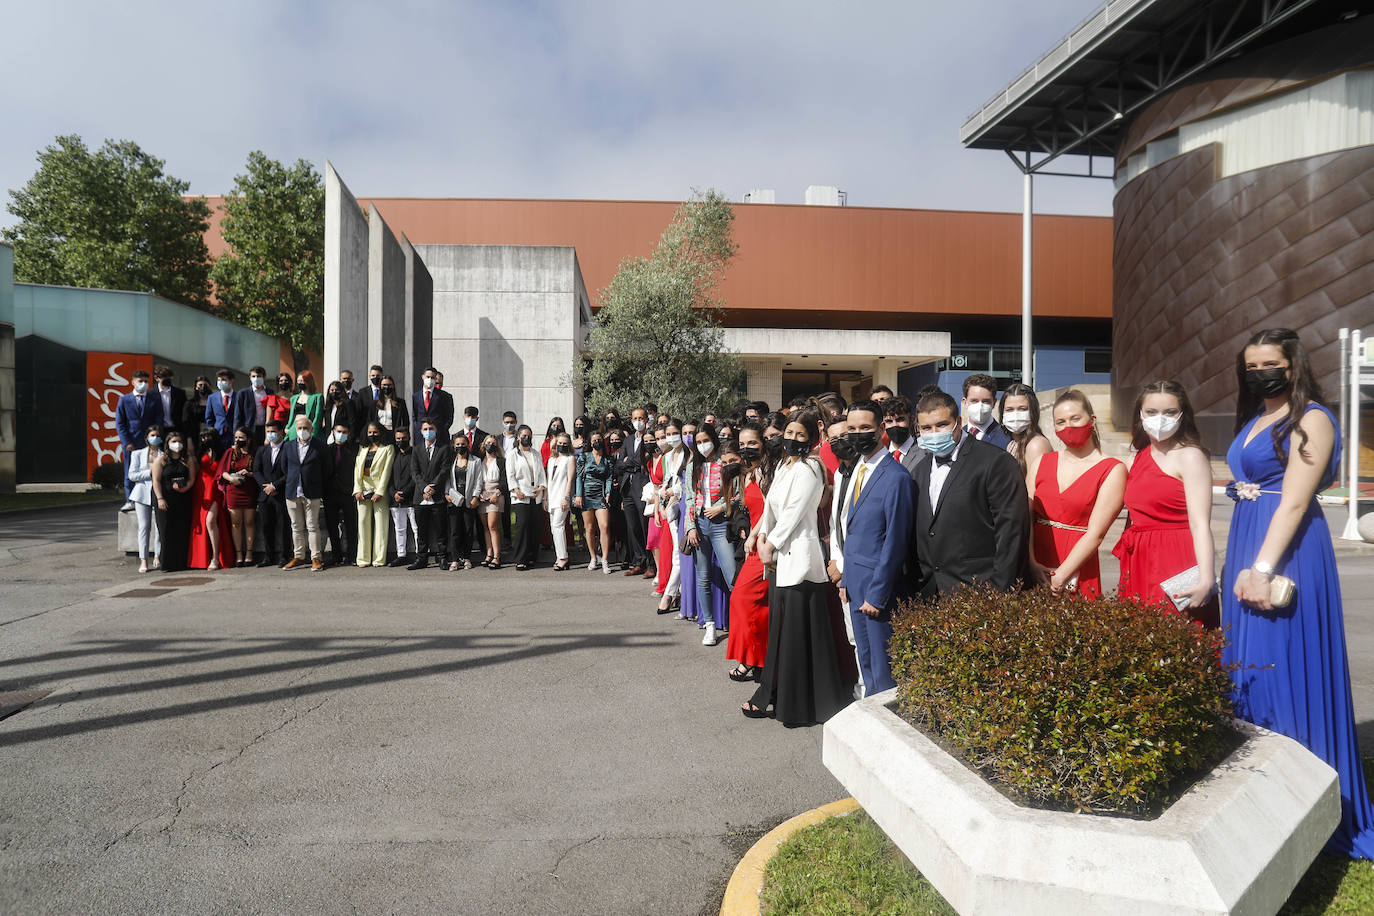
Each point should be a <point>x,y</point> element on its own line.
<point>925,390</point>
<point>883,389</point>
<point>471,411</point>
<point>798,401</point>
<point>897,406</point>
<point>872,407</point>
<point>428,422</point>
<point>302,418</point>
<point>225,373</point>
<point>935,400</point>
<point>980,380</point>
<point>509,413</point>
<point>141,373</point>
<point>160,371</point>
<point>430,369</point>
<point>760,406</point>
<point>259,370</point>
<point>272,422</point>
<point>375,368</point>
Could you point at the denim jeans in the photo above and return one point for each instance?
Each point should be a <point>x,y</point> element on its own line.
<point>714,545</point>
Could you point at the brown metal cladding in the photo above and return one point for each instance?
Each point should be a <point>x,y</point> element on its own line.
<point>885,266</point>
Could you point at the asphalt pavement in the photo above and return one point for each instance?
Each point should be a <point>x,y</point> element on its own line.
<point>383,740</point>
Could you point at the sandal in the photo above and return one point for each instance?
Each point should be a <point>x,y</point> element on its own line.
<point>560,566</point>
<point>521,567</point>
<point>744,673</point>
<point>750,711</point>
<point>453,567</point>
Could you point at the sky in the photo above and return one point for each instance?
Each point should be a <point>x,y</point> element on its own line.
<point>515,98</point>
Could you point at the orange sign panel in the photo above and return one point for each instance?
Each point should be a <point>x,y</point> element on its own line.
<point>108,376</point>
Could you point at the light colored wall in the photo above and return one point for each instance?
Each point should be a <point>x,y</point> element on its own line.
<point>345,280</point>
<point>763,379</point>
<point>506,328</point>
<point>386,293</point>
<point>419,320</point>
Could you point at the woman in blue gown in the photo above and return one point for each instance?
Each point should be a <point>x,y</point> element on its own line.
<point>1293,676</point>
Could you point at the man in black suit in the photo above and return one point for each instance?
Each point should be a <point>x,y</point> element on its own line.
<point>476,434</point>
<point>403,495</point>
<point>269,470</point>
<point>972,519</point>
<point>430,461</point>
<point>980,399</point>
<point>433,404</point>
<point>250,404</point>
<point>630,465</point>
<point>340,508</point>
<point>370,394</point>
<point>305,473</point>
<point>173,398</point>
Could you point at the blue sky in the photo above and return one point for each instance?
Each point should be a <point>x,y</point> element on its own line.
<point>586,99</point>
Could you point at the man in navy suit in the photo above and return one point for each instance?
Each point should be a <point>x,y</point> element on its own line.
<point>875,526</point>
<point>134,413</point>
<point>980,397</point>
<point>433,404</point>
<point>220,409</point>
<point>305,475</point>
<point>249,405</point>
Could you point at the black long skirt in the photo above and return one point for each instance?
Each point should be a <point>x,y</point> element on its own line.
<point>801,677</point>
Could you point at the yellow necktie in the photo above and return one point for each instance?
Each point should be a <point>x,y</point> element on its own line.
<point>859,484</point>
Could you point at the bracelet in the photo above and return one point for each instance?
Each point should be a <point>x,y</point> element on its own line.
<point>1264,569</point>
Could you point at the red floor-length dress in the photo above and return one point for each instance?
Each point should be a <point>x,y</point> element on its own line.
<point>665,539</point>
<point>205,493</point>
<point>1071,508</point>
<point>1157,543</point>
<point>748,643</point>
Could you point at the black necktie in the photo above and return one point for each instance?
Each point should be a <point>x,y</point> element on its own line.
<point>943,460</point>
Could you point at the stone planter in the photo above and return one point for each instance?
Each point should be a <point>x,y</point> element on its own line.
<point>1236,842</point>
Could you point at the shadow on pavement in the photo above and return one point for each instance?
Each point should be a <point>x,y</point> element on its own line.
<point>399,645</point>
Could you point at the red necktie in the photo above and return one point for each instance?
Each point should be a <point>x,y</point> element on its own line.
<point>974,430</point>
<point>226,403</point>
<point>898,455</point>
<point>426,402</point>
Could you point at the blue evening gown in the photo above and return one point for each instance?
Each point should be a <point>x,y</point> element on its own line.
<point>1306,693</point>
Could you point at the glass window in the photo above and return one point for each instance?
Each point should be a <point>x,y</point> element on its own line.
<point>1097,359</point>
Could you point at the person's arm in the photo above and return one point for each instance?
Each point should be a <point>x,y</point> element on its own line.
<point>358,463</point>
<point>381,470</point>
<point>803,485</point>
<point>1039,573</point>
<point>577,475</point>
<point>210,412</point>
<point>139,470</point>
<point>126,435</point>
<point>156,476</point>
<point>1197,493</point>
<point>1111,496</point>
<point>1006,495</point>
<point>887,571</point>
<point>1301,478</point>
<point>1038,447</point>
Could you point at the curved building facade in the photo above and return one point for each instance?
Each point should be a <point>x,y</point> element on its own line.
<point>1245,200</point>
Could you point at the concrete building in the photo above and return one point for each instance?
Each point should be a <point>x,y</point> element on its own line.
<point>8,455</point>
<point>1240,138</point>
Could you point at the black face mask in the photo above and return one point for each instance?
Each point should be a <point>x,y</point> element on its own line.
<point>796,447</point>
<point>526,441</point>
<point>596,444</point>
<point>579,430</point>
<point>843,449</point>
<point>460,448</point>
<point>388,391</point>
<point>202,391</point>
<point>300,386</point>
<point>376,381</point>
<point>729,472</point>
<point>492,448</point>
<point>374,437</point>
<point>347,383</point>
<point>649,446</point>
<point>337,395</point>
<point>1267,383</point>
<point>774,444</point>
<point>555,430</point>
<point>615,445</point>
<point>898,434</point>
<point>565,449</point>
<point>863,442</point>
<point>751,453</point>
<point>403,446</point>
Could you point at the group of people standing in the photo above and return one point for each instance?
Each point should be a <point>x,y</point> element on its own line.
<point>795,533</point>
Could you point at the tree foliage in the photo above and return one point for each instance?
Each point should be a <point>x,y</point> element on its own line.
<point>271,278</point>
<point>110,219</point>
<point>658,337</point>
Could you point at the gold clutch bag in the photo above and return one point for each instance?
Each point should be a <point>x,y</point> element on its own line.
<point>1281,590</point>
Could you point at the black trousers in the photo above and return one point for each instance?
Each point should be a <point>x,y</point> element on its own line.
<point>431,528</point>
<point>636,533</point>
<point>341,524</point>
<point>505,521</point>
<point>276,528</point>
<point>461,520</point>
<point>527,532</point>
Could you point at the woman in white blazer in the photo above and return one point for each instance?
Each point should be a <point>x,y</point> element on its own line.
<point>528,483</point>
<point>562,465</point>
<point>142,496</point>
<point>801,676</point>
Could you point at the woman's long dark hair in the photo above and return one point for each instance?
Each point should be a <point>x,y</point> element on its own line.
<point>1187,423</point>
<point>1023,437</point>
<point>708,431</point>
<point>1303,389</point>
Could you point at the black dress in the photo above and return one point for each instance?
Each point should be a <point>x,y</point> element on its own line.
<point>174,522</point>
<point>801,676</point>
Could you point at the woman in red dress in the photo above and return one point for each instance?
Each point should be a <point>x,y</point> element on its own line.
<point>1075,496</point>
<point>748,643</point>
<point>1169,504</point>
<point>235,478</point>
<point>212,547</point>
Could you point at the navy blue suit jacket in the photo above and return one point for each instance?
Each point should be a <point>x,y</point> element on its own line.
<point>308,474</point>
<point>877,536</point>
<point>994,434</point>
<point>134,413</point>
<point>440,413</point>
<point>222,421</point>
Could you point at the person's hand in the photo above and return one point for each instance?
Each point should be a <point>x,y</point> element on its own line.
<point>448,498</point>
<point>693,539</point>
<point>1253,589</point>
<point>715,512</point>
<point>429,491</point>
<point>377,497</point>
<point>473,505</point>
<point>518,494</point>
<point>750,544</point>
<point>1198,596</point>
<point>1059,581</point>
<point>161,503</point>
<point>565,505</point>
<point>844,595</point>
<point>358,497</point>
<point>833,572</point>
<point>577,501</point>
<point>269,489</point>
<point>766,552</point>
<point>1040,575</point>
<point>870,610</point>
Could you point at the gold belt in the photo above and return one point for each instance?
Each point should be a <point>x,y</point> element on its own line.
<point>1041,520</point>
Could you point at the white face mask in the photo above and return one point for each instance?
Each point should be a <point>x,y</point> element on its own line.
<point>225,385</point>
<point>340,438</point>
<point>1015,420</point>
<point>673,441</point>
<point>639,426</point>
<point>978,413</point>
<point>303,435</point>
<point>173,447</point>
<point>1160,427</point>
<point>429,383</point>
<point>140,386</point>
<point>706,447</point>
<point>258,381</point>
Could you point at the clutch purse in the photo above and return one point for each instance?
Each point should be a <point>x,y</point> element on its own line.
<point>1281,590</point>
<point>1183,583</point>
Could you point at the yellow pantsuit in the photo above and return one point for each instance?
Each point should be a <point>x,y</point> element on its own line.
<point>374,516</point>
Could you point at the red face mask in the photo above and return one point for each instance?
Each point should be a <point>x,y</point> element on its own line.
<point>1075,436</point>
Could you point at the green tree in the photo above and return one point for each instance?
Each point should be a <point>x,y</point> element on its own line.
<point>271,278</point>
<point>110,219</point>
<point>657,336</point>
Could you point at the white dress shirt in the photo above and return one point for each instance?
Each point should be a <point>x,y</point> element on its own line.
<point>939,473</point>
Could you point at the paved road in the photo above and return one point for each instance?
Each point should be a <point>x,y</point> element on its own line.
<point>383,740</point>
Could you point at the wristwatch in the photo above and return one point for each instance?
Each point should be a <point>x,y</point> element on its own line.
<point>1263,568</point>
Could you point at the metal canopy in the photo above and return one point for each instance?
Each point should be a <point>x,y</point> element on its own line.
<point>1076,99</point>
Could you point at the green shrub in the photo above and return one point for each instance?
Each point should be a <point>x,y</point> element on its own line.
<point>1090,705</point>
<point>108,476</point>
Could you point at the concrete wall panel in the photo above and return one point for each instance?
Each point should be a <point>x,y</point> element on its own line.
<point>386,291</point>
<point>419,318</point>
<point>345,279</point>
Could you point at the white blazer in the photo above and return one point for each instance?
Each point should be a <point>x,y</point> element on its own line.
<point>789,522</point>
<point>524,472</point>
<point>141,476</point>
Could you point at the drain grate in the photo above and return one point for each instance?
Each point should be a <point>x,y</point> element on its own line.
<point>15,700</point>
<point>145,593</point>
<point>185,581</point>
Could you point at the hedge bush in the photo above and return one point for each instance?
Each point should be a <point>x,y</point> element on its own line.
<point>108,476</point>
<point>1089,705</point>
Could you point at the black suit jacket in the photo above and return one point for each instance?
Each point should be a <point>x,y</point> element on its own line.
<point>266,471</point>
<point>981,528</point>
<point>338,473</point>
<point>440,413</point>
<point>400,417</point>
<point>430,470</point>
<point>403,479</point>
<point>630,471</point>
<point>345,411</point>
<point>177,416</point>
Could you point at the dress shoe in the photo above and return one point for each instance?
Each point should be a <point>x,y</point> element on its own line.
<point>398,562</point>
<point>650,574</point>
<point>317,565</point>
<point>127,507</point>
<point>266,561</point>
<point>420,563</point>
<point>634,571</point>
<point>293,563</point>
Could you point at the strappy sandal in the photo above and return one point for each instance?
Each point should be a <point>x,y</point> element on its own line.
<point>744,673</point>
<point>750,711</point>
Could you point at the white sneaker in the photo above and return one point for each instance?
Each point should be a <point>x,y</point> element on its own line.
<point>605,567</point>
<point>710,638</point>
<point>591,567</point>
